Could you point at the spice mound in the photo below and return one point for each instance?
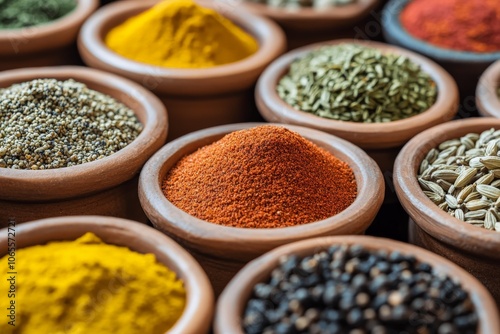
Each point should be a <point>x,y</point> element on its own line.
<point>354,83</point>
<point>181,34</point>
<point>464,25</point>
<point>350,289</point>
<point>16,14</point>
<point>46,123</point>
<point>305,3</point>
<point>87,286</point>
<point>462,177</point>
<point>263,177</point>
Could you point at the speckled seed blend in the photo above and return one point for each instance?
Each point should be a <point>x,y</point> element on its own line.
<point>46,123</point>
<point>262,177</point>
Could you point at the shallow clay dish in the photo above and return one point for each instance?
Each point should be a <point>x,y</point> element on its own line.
<point>50,44</point>
<point>473,248</point>
<point>487,99</point>
<point>223,250</point>
<point>232,303</point>
<point>466,67</point>
<point>105,187</point>
<point>197,314</point>
<point>195,98</point>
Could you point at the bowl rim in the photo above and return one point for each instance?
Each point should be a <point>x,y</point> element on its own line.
<point>99,174</point>
<point>487,100</point>
<point>231,303</point>
<point>273,108</point>
<point>268,34</point>
<point>200,298</point>
<point>46,32</point>
<point>435,221</point>
<point>393,30</point>
<point>217,239</point>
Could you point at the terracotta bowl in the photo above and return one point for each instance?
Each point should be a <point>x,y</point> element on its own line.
<point>382,141</point>
<point>47,45</point>
<point>232,303</point>
<point>223,250</point>
<point>466,67</point>
<point>195,98</point>
<point>308,25</point>
<point>197,315</point>
<point>487,100</point>
<point>473,248</point>
<point>105,187</point>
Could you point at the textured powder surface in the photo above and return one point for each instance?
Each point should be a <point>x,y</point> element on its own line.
<point>262,177</point>
<point>16,14</point>
<point>86,286</point>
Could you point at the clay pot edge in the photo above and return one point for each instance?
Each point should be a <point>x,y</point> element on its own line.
<point>487,100</point>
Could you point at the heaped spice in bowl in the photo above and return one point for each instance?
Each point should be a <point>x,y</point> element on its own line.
<point>306,3</point>
<point>181,34</point>
<point>351,289</point>
<point>88,286</point>
<point>462,177</point>
<point>463,25</point>
<point>350,82</point>
<point>17,14</point>
<point>46,123</point>
<point>263,177</point>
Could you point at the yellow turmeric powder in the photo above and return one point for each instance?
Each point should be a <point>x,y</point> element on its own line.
<point>181,34</point>
<point>87,286</point>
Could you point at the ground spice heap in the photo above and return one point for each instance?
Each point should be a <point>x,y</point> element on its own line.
<point>87,286</point>
<point>46,123</point>
<point>181,34</point>
<point>465,25</point>
<point>16,14</point>
<point>349,289</point>
<point>462,177</point>
<point>354,83</point>
<point>263,177</point>
<point>305,3</point>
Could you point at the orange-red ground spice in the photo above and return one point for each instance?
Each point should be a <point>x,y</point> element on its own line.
<point>466,25</point>
<point>263,177</point>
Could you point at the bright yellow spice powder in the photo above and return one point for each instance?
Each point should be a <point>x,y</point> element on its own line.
<point>181,34</point>
<point>87,286</point>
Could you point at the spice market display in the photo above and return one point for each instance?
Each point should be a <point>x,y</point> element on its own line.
<point>251,184</point>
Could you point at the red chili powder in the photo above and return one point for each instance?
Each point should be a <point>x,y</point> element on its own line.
<point>263,177</point>
<point>466,25</point>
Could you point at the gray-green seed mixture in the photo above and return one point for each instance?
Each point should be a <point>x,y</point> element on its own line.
<point>46,123</point>
<point>354,83</point>
<point>305,3</point>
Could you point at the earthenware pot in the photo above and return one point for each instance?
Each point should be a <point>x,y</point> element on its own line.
<point>50,44</point>
<point>473,248</point>
<point>304,26</point>
<point>232,303</point>
<point>466,67</point>
<point>487,99</point>
<point>223,250</point>
<point>195,98</point>
<point>106,186</point>
<point>197,315</point>
<point>382,141</point>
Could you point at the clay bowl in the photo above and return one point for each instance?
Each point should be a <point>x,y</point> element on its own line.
<point>195,98</point>
<point>473,248</point>
<point>487,100</point>
<point>46,45</point>
<point>197,314</point>
<point>104,187</point>
<point>381,141</point>
<point>466,67</point>
<point>232,303</point>
<point>222,250</point>
<point>304,26</point>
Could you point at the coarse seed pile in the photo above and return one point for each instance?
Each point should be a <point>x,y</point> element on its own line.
<point>305,3</point>
<point>350,289</point>
<point>46,123</point>
<point>17,14</point>
<point>350,82</point>
<point>263,177</point>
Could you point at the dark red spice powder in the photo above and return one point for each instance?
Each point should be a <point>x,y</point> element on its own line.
<point>263,177</point>
<point>466,25</point>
